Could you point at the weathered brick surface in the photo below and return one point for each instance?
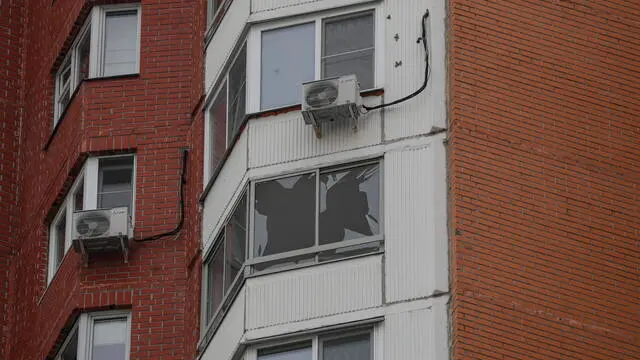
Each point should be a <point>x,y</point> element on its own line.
<point>545,179</point>
<point>11,30</point>
<point>150,114</point>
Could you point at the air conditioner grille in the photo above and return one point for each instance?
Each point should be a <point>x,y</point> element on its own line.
<point>92,224</point>
<point>322,94</point>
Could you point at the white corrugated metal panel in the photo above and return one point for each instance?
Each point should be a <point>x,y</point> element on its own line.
<point>314,292</point>
<point>419,114</point>
<point>227,337</point>
<point>285,138</point>
<point>224,40</point>
<point>417,333</point>
<point>266,5</point>
<point>414,220</point>
<point>223,190</point>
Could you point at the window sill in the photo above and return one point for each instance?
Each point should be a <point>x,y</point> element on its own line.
<point>257,115</point>
<point>73,96</point>
<point>218,317</point>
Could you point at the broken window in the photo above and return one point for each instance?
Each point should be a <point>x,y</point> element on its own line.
<point>317,211</point>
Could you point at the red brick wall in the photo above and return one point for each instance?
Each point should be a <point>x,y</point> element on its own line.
<point>150,114</point>
<point>545,176</point>
<point>11,28</point>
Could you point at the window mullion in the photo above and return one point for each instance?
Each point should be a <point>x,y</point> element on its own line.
<point>319,49</point>
<point>84,337</point>
<point>251,209</point>
<point>315,349</point>
<point>91,184</point>
<point>317,222</point>
<point>96,42</point>
<point>228,105</point>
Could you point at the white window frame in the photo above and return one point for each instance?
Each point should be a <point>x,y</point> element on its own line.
<point>206,322</point>
<point>208,124</point>
<point>254,47</point>
<point>317,341</point>
<point>84,327</point>
<point>248,191</point>
<point>317,248</point>
<point>88,176</point>
<point>212,12</point>
<point>94,27</point>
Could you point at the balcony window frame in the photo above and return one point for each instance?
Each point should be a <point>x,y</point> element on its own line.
<point>254,53</point>
<point>315,343</point>
<point>211,321</point>
<point>223,85</point>
<point>317,248</point>
<point>94,27</point>
<point>219,244</point>
<point>84,326</point>
<point>87,181</point>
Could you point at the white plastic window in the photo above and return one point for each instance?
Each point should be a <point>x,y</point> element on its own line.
<point>107,45</point>
<point>103,183</point>
<point>356,346</point>
<point>290,52</point>
<point>226,112</point>
<point>121,43</point>
<point>98,336</point>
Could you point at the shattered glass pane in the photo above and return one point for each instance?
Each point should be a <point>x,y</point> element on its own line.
<point>284,215</point>
<point>349,204</point>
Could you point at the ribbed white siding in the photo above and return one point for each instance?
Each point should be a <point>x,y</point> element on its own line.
<point>228,335</point>
<point>286,137</point>
<point>266,5</point>
<point>314,292</point>
<point>224,40</point>
<point>417,334</point>
<point>412,220</point>
<point>419,114</point>
<point>220,195</point>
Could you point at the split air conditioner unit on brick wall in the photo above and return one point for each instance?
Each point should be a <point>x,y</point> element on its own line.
<point>102,231</point>
<point>329,100</point>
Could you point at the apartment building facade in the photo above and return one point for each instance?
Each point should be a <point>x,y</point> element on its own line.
<point>479,201</point>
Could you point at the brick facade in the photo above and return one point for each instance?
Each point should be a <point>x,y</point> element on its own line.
<point>11,30</point>
<point>150,114</point>
<point>544,173</point>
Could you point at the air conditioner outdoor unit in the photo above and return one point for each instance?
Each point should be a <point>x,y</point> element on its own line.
<point>333,99</point>
<point>101,231</point>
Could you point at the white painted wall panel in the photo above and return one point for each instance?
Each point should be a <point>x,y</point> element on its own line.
<point>286,137</point>
<point>417,333</point>
<point>227,337</point>
<point>314,292</point>
<point>219,199</point>
<point>224,40</point>
<point>266,5</point>
<point>414,222</point>
<point>418,115</point>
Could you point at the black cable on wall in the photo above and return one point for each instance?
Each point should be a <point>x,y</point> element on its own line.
<point>426,71</point>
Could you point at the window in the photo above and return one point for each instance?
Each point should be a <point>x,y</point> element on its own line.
<point>213,6</point>
<point>322,48</point>
<point>107,45</point>
<point>98,336</point>
<point>227,111</point>
<point>334,347</point>
<point>115,176</point>
<point>316,216</point>
<point>224,265</point>
<point>104,183</point>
